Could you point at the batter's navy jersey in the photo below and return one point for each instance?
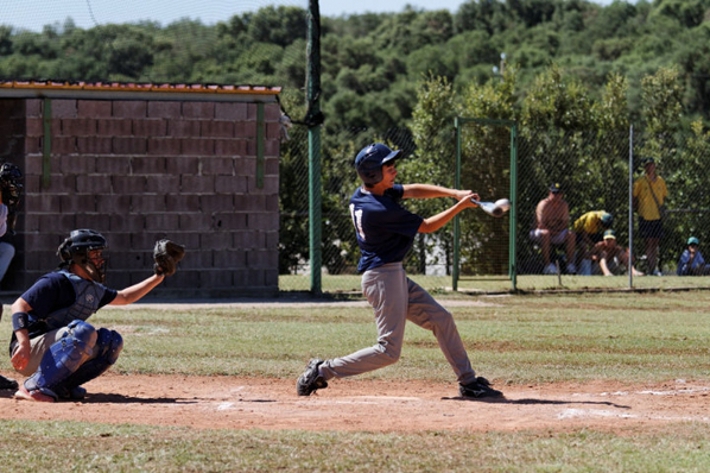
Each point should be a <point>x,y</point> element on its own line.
<point>385,230</point>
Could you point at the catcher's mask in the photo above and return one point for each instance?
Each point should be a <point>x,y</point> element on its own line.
<point>369,162</point>
<point>11,189</point>
<point>85,247</point>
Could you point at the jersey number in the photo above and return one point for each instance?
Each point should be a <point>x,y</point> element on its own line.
<point>356,215</point>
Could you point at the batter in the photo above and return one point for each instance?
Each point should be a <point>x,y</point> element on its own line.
<point>385,233</point>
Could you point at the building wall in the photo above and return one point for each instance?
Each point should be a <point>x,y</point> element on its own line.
<point>138,171</point>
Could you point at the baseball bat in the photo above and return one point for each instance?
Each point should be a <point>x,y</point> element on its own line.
<point>494,209</point>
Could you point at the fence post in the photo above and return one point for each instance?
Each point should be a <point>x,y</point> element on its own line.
<point>513,219</point>
<point>457,225</point>
<point>314,149</point>
<point>631,206</point>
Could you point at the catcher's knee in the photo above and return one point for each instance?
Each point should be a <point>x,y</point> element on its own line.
<point>81,335</point>
<point>109,344</point>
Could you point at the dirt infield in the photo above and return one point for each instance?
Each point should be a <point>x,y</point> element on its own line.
<point>358,404</point>
<point>367,405</point>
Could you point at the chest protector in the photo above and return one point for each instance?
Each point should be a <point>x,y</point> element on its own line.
<point>88,297</point>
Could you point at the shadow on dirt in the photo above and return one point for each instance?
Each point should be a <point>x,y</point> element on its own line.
<point>110,398</point>
<point>102,398</point>
<point>528,401</point>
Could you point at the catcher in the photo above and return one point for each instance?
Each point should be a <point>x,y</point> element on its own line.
<point>52,343</point>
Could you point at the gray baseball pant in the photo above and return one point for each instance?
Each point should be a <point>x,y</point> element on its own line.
<point>38,346</point>
<point>395,299</point>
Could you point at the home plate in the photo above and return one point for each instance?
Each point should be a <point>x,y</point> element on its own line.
<point>574,413</point>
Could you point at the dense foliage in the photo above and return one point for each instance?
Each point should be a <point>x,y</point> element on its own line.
<point>373,62</point>
<point>571,71</point>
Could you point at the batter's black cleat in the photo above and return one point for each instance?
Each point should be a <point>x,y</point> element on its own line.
<point>9,384</point>
<point>479,389</point>
<point>310,381</point>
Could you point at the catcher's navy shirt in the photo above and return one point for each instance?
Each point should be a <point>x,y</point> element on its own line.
<point>50,294</point>
<point>385,230</point>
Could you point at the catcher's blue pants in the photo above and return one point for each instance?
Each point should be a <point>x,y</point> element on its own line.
<point>395,299</point>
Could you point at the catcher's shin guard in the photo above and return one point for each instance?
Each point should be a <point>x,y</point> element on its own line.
<point>108,346</point>
<point>63,358</point>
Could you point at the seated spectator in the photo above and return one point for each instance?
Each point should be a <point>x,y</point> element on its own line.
<point>589,229</point>
<point>610,259</point>
<point>691,262</point>
<point>552,228</point>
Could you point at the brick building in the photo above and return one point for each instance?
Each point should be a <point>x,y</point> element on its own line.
<point>139,162</point>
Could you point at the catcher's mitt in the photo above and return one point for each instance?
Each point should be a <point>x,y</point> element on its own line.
<point>167,254</point>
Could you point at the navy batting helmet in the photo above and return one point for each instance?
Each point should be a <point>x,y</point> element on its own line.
<point>369,162</point>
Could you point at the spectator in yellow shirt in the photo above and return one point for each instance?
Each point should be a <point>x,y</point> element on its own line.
<point>589,229</point>
<point>649,195</point>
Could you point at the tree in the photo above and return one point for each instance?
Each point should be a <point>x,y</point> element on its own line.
<point>662,95</point>
<point>693,60</point>
<point>489,16</point>
<point>688,13</point>
<point>610,150</point>
<point>433,162</point>
<point>5,40</point>
<point>555,138</point>
<point>486,169</point>
<point>433,60</point>
<point>280,26</point>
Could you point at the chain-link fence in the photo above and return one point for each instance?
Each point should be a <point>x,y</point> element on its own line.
<point>592,169</point>
<point>339,251</point>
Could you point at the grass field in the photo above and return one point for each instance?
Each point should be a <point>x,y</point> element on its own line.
<point>503,284</point>
<point>518,341</point>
